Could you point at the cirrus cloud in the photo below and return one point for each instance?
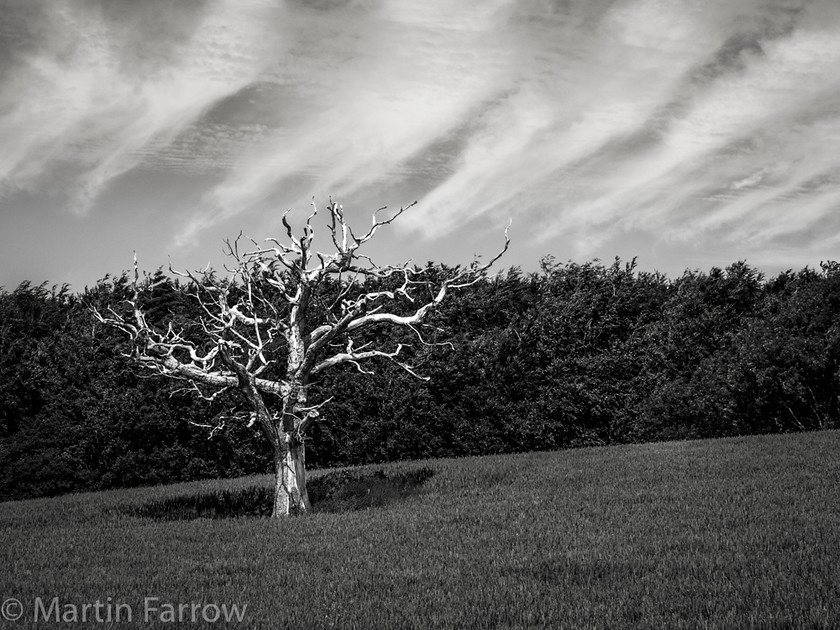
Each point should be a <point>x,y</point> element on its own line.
<point>593,123</point>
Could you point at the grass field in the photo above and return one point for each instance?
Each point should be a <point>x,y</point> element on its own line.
<point>734,533</point>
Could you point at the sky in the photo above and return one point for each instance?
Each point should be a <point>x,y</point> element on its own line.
<point>687,133</point>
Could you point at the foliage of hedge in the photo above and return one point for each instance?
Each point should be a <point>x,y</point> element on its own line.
<point>573,355</point>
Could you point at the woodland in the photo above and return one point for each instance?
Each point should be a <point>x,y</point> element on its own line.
<point>568,356</point>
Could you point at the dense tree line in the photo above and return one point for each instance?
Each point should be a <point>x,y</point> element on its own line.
<point>572,355</point>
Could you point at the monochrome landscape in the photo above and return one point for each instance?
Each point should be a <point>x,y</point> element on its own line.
<point>371,314</point>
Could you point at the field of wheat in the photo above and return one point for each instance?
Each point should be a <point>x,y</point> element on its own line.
<point>732,533</point>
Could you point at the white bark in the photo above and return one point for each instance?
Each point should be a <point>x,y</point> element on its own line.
<point>260,311</point>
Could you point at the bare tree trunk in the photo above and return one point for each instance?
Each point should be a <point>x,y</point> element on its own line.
<point>298,456</point>
<point>290,496</point>
<point>270,290</point>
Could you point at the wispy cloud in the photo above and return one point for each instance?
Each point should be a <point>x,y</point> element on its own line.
<point>586,120</point>
<point>95,98</point>
<point>365,90</point>
<point>659,138</point>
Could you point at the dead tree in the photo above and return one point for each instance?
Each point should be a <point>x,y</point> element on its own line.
<point>260,314</point>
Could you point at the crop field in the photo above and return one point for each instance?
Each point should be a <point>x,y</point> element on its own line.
<point>731,533</point>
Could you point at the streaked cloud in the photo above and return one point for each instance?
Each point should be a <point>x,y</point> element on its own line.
<point>109,86</point>
<point>593,123</point>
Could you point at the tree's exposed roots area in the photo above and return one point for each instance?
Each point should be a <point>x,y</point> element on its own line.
<point>340,491</point>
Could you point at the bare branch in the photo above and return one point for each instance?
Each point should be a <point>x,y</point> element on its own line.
<point>355,357</point>
<point>253,322</point>
<point>214,428</point>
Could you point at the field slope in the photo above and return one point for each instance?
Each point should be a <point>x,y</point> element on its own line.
<point>733,533</point>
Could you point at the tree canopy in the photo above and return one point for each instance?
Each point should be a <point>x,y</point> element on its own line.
<point>571,355</point>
